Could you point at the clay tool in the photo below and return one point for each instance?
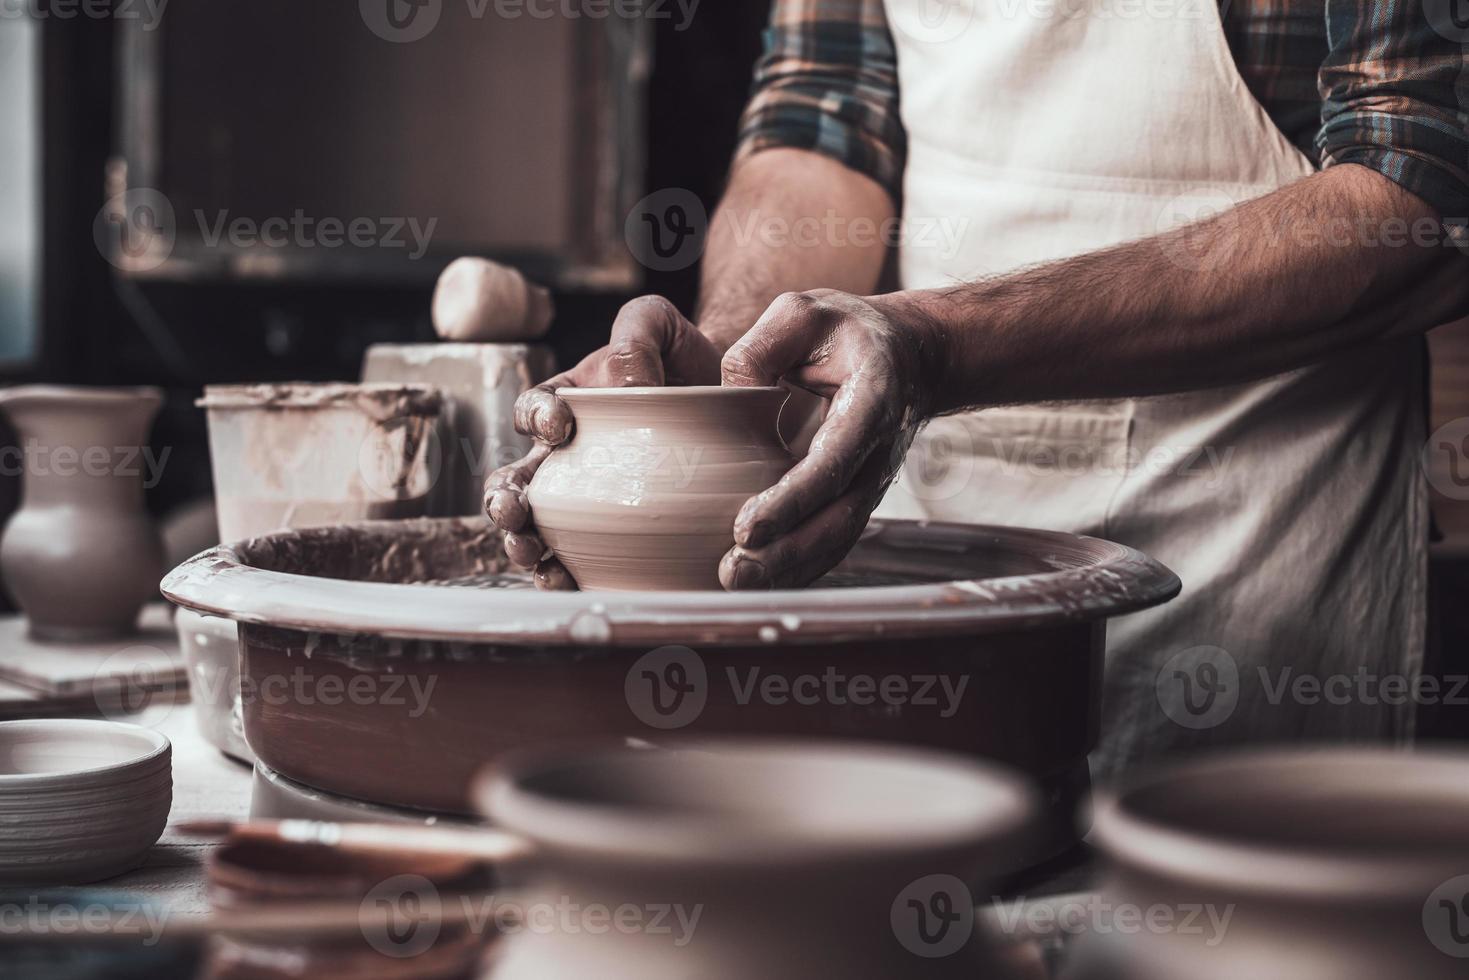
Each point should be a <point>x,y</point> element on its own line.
<point>480,300</point>
<point>369,838</point>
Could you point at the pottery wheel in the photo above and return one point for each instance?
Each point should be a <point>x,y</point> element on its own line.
<point>1011,620</point>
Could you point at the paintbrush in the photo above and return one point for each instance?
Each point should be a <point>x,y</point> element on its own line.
<point>479,843</point>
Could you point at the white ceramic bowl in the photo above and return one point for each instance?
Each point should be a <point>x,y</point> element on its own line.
<point>80,800</point>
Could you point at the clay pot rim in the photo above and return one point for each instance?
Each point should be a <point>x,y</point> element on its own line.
<point>673,392</point>
<point>157,747</point>
<point>82,394</point>
<point>1105,580</point>
<point>424,399</point>
<point>1136,841</point>
<point>999,807</point>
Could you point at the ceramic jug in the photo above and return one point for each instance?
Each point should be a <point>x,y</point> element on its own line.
<point>1316,864</point>
<point>645,494</point>
<point>81,556</point>
<point>733,859</point>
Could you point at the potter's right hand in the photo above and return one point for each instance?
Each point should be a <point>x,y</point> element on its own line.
<point>651,344</point>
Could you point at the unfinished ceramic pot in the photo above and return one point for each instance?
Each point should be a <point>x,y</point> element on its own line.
<point>781,860</point>
<point>645,494</point>
<point>80,799</point>
<point>82,556</point>
<point>1329,864</point>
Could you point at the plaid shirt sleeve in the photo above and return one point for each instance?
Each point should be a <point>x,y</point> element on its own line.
<point>1395,91</point>
<point>828,82</point>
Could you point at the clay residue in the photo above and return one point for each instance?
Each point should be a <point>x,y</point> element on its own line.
<point>408,551</point>
<point>379,401</point>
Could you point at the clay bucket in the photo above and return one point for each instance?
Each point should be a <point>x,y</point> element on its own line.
<point>304,455</point>
<point>645,493</point>
<point>1330,864</point>
<point>301,455</point>
<point>766,859</point>
<point>81,555</point>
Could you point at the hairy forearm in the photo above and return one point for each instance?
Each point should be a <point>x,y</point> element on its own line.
<point>1331,262</point>
<point>791,220</point>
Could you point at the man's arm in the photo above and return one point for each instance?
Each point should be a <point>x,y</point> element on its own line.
<point>1334,261</point>
<point>791,220</point>
<point>1320,266</point>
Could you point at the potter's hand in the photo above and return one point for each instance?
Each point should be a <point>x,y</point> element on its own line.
<point>651,344</point>
<point>876,359</point>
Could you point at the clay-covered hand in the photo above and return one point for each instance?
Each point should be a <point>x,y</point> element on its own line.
<point>651,344</point>
<point>877,360</point>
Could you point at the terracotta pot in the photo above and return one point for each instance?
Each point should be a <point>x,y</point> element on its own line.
<point>257,874</point>
<point>1340,864</point>
<point>417,663</point>
<point>81,556</point>
<point>727,860</point>
<point>645,494</point>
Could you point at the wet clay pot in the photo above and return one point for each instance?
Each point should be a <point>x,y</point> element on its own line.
<point>645,494</point>
<point>246,875</point>
<point>1330,864</point>
<point>733,859</point>
<point>388,661</point>
<point>81,556</point>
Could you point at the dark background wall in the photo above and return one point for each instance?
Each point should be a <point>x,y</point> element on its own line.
<point>183,336</point>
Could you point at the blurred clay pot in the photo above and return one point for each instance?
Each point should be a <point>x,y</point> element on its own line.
<point>645,494</point>
<point>81,556</point>
<point>776,859</point>
<point>1330,864</point>
<point>258,874</point>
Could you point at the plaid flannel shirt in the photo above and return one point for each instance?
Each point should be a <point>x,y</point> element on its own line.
<point>1381,83</point>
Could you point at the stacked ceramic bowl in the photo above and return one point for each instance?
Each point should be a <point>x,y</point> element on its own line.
<point>80,800</point>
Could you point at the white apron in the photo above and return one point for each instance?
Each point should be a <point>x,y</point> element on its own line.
<point>1292,508</point>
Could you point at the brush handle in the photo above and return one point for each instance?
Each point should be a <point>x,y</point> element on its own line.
<point>479,843</point>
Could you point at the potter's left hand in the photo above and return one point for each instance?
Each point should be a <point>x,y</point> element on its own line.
<point>877,360</point>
